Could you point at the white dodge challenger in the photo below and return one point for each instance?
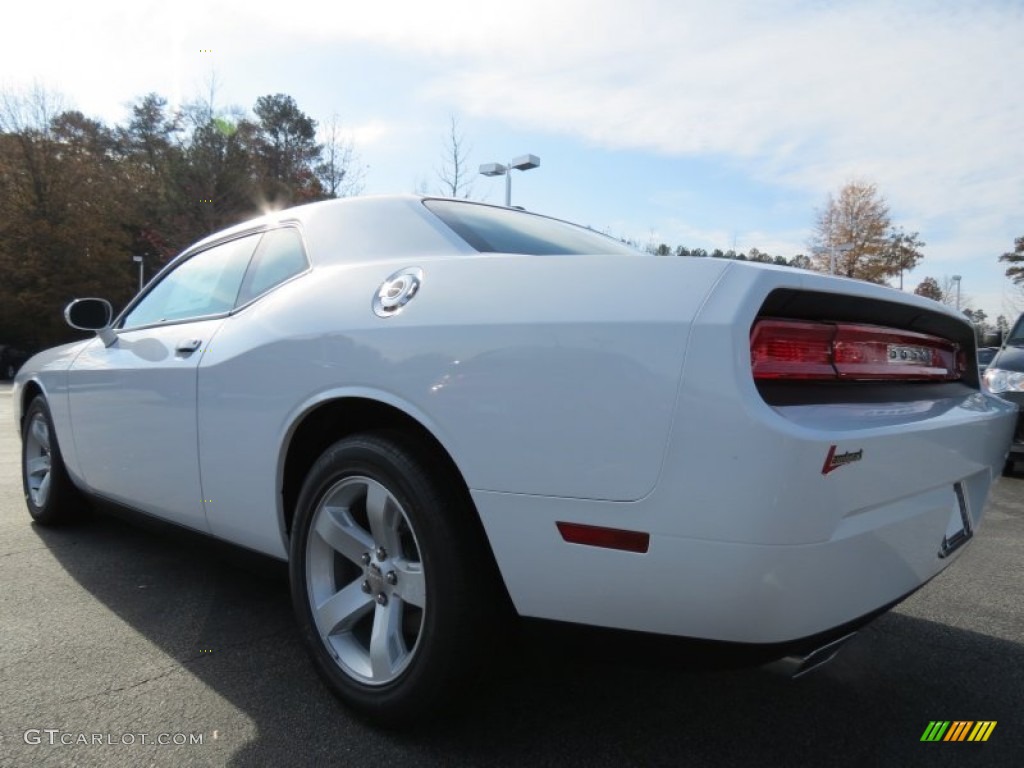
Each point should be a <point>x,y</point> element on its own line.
<point>437,409</point>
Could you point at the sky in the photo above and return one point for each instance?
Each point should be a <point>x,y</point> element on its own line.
<point>708,124</point>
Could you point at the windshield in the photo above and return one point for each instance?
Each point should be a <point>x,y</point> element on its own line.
<point>1016,336</point>
<point>490,229</point>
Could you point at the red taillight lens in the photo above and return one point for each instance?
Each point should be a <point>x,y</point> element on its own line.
<point>792,349</point>
<point>780,349</point>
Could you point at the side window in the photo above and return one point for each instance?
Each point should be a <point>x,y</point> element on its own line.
<point>278,257</point>
<point>206,284</point>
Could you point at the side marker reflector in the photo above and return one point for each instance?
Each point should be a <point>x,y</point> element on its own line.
<point>609,538</point>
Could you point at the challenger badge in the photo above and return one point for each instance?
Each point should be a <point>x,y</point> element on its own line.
<point>836,460</point>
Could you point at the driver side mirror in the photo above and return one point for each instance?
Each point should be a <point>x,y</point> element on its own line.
<point>92,315</point>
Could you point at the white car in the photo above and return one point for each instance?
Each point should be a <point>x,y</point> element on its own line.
<point>434,409</point>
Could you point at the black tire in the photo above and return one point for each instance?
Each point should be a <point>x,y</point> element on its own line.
<point>61,501</point>
<point>432,527</point>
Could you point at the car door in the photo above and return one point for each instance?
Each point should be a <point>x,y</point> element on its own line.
<point>133,403</point>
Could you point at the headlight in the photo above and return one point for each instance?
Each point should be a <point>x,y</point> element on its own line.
<point>997,380</point>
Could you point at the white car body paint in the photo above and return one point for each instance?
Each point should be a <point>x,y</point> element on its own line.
<point>608,390</point>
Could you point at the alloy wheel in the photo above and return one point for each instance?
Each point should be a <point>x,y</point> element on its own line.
<point>37,460</point>
<point>365,580</point>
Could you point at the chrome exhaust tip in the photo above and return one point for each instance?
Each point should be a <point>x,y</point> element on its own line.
<point>798,665</point>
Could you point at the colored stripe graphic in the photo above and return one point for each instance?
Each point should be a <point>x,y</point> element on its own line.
<point>958,730</point>
<point>982,730</point>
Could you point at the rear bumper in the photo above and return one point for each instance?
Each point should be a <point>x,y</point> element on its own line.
<point>726,591</point>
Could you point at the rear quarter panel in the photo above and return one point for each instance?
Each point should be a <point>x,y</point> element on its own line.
<point>540,375</point>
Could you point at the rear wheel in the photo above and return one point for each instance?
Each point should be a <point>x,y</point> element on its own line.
<point>384,578</point>
<point>50,495</point>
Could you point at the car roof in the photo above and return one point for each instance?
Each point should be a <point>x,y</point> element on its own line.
<point>375,226</point>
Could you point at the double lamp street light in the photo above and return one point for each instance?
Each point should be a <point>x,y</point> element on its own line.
<point>521,163</point>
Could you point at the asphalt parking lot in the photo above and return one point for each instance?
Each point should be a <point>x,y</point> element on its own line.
<point>136,634</point>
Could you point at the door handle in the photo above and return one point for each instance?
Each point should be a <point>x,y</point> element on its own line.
<point>188,346</point>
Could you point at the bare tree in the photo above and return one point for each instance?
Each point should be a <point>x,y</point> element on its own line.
<point>203,108</point>
<point>455,175</point>
<point>27,117</point>
<point>951,292</point>
<point>903,251</point>
<point>32,109</point>
<point>340,171</point>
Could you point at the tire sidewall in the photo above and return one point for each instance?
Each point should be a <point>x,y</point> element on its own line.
<point>61,490</point>
<point>436,661</point>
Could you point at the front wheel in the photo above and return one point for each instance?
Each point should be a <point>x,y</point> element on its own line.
<point>384,581</point>
<point>50,495</point>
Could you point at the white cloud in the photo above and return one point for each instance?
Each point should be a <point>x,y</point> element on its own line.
<point>370,132</point>
<point>920,97</point>
<point>927,105</point>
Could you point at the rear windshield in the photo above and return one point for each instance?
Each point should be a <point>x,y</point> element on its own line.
<point>490,229</point>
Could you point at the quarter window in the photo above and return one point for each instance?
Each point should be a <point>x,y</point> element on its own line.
<point>278,257</point>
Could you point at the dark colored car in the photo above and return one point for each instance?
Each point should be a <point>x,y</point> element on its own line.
<point>1004,376</point>
<point>11,360</point>
<point>985,355</point>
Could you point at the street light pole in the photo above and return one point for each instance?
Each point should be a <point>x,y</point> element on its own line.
<point>138,260</point>
<point>833,253</point>
<point>522,163</point>
<point>957,278</point>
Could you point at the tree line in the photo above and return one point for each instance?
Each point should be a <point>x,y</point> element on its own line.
<point>662,249</point>
<point>80,198</point>
<point>853,236</point>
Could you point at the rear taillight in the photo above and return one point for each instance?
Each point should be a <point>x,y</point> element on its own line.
<point>796,349</point>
